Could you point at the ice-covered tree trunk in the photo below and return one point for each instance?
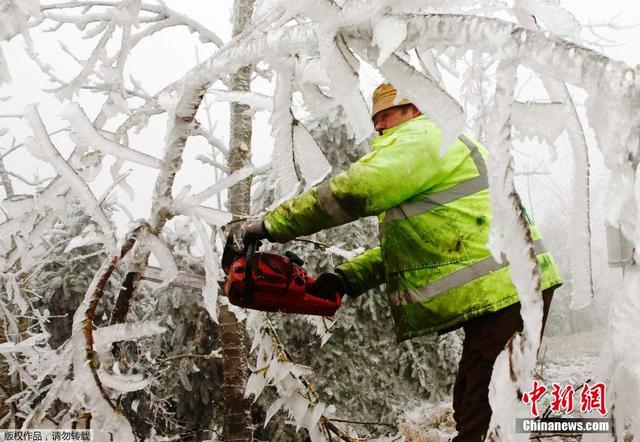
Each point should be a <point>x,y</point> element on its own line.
<point>233,334</point>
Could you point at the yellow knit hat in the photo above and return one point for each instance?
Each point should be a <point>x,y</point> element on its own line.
<point>384,97</point>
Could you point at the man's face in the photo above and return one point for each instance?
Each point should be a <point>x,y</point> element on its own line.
<point>388,118</point>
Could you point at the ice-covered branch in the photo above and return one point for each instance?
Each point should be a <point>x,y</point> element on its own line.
<point>296,394</point>
<point>89,137</point>
<point>85,360</point>
<point>510,240</point>
<point>77,184</point>
<point>159,12</point>
<point>580,218</point>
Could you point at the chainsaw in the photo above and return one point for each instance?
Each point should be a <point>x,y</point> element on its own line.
<point>273,283</point>
<point>262,281</point>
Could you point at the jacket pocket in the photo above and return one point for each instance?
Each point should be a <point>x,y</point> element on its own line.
<point>431,239</point>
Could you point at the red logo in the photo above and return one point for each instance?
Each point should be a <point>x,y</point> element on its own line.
<point>592,398</point>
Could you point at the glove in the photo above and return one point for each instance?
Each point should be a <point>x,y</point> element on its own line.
<point>327,285</point>
<point>254,231</point>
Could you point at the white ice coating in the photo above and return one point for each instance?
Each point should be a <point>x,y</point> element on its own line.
<point>22,346</point>
<point>161,251</point>
<point>275,370</point>
<point>89,137</point>
<point>256,101</point>
<point>580,231</point>
<point>611,107</point>
<point>88,237</point>
<point>103,337</point>
<point>107,421</point>
<point>77,184</point>
<point>218,187</point>
<point>284,170</point>
<point>212,272</point>
<point>5,75</point>
<point>552,16</point>
<point>345,85</point>
<point>510,240</point>
<point>428,96</point>
<point>541,121</point>
<point>388,33</point>
<point>123,383</point>
<point>313,165</point>
<point>209,215</point>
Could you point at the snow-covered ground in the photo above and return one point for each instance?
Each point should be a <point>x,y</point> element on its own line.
<point>570,359</point>
<point>564,360</point>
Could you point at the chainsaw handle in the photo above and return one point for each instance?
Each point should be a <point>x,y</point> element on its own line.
<point>250,250</point>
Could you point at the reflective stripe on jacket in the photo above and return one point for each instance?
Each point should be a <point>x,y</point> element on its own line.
<point>434,215</point>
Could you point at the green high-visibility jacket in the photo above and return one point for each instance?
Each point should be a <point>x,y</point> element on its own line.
<point>434,215</point>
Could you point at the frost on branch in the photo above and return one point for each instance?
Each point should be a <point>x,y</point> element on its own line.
<point>284,171</point>
<point>544,122</point>
<point>295,395</point>
<point>428,96</point>
<point>580,214</point>
<point>388,33</point>
<point>510,241</point>
<point>76,183</point>
<point>88,137</point>
<point>163,254</point>
<point>212,272</point>
<point>313,165</point>
<point>342,69</point>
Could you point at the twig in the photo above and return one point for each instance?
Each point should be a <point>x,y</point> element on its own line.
<point>322,245</point>
<point>283,354</point>
<point>91,311</point>
<point>211,355</point>
<point>326,422</point>
<point>363,423</point>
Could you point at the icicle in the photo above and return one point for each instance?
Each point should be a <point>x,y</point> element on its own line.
<point>544,122</point>
<point>256,101</point>
<point>284,172</point>
<point>124,383</point>
<point>162,252</point>
<point>388,33</point>
<point>209,215</point>
<point>550,13</point>
<point>212,272</point>
<point>117,177</point>
<point>580,227</point>
<point>104,337</point>
<point>428,96</point>
<point>221,185</point>
<point>313,165</point>
<point>510,239</point>
<point>429,64</point>
<point>335,57</point>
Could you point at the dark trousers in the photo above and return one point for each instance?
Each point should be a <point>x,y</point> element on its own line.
<point>485,337</point>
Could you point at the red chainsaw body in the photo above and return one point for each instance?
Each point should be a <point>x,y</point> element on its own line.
<point>275,284</point>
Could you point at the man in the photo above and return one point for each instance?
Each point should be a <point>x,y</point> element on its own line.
<point>434,215</point>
